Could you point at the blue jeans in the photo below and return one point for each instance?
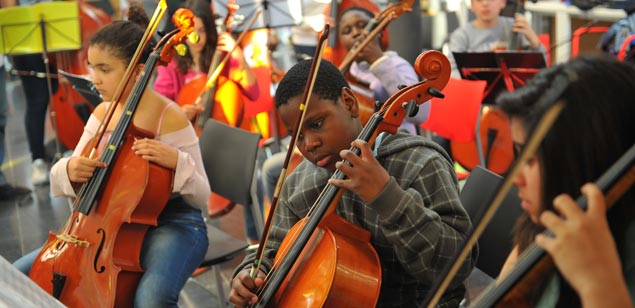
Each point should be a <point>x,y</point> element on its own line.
<point>170,253</point>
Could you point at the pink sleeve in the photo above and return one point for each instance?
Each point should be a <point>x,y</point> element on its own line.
<point>190,179</point>
<point>167,82</point>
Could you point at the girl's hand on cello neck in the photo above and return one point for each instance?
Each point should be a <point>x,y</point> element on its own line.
<point>157,152</point>
<point>243,288</point>
<point>80,169</point>
<point>584,250</point>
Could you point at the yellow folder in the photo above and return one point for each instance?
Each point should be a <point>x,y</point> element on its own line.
<point>21,28</point>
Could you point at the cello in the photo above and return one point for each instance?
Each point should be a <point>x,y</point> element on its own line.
<point>496,143</point>
<point>200,91</point>
<point>208,90</point>
<point>375,26</point>
<point>94,260</point>
<point>287,287</point>
<point>67,104</point>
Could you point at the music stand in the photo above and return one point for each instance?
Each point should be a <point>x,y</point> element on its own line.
<point>275,13</point>
<point>41,28</point>
<point>503,70</point>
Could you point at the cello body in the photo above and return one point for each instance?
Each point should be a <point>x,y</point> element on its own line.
<point>496,143</point>
<point>227,105</point>
<point>338,268</point>
<point>114,231</point>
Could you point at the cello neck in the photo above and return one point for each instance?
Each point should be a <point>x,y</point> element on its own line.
<point>515,40</point>
<point>85,204</point>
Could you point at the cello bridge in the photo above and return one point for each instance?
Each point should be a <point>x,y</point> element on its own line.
<point>72,239</point>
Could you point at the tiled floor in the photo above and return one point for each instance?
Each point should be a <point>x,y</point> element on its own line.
<point>25,222</point>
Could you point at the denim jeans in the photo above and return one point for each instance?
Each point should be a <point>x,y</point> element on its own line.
<point>170,253</point>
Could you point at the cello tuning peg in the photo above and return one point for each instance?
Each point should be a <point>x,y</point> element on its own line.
<point>411,108</point>
<point>436,93</point>
<point>181,49</point>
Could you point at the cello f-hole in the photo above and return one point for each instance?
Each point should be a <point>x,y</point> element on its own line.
<point>99,249</point>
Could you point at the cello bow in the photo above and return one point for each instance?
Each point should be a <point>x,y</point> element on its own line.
<point>283,173</point>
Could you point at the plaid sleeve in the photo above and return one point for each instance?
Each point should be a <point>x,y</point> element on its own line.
<point>422,216</point>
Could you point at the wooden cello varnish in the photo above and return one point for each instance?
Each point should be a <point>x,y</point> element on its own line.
<point>338,268</point>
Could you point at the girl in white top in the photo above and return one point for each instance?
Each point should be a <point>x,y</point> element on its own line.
<point>175,248</point>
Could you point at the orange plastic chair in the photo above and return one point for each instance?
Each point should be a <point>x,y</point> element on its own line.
<point>575,39</point>
<point>545,39</point>
<point>455,116</point>
<point>625,47</point>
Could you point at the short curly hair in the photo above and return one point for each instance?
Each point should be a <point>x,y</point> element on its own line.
<point>328,83</point>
